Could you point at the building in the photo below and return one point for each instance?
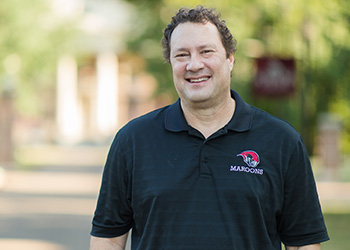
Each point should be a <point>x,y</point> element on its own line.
<point>98,87</point>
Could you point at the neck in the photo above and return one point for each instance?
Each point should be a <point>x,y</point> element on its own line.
<point>209,118</point>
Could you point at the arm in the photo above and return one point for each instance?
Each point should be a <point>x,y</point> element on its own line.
<point>117,243</point>
<point>308,247</point>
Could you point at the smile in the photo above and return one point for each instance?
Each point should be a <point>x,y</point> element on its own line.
<point>202,79</point>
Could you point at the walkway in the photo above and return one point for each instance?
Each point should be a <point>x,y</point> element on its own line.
<point>48,209</point>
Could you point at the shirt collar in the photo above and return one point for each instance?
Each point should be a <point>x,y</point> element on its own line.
<point>240,122</point>
<point>174,119</point>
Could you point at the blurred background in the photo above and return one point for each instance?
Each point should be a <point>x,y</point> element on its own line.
<point>72,72</point>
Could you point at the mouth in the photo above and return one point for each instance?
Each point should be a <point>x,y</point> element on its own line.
<point>198,80</point>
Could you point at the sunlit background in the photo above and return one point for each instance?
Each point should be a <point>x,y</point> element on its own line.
<point>72,72</point>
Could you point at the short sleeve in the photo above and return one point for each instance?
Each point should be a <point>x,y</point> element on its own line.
<point>113,214</point>
<point>302,221</point>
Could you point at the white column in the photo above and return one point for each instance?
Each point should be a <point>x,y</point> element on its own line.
<point>107,93</point>
<point>68,119</point>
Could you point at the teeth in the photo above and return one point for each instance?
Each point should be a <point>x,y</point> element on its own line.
<point>199,79</point>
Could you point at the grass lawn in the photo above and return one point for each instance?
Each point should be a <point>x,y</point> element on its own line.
<point>338,226</point>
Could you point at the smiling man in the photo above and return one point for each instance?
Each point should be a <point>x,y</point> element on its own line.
<point>209,171</point>
<point>201,73</point>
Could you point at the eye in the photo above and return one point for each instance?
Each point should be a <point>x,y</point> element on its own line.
<point>207,51</point>
<point>181,55</point>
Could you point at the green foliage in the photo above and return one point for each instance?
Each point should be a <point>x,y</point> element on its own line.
<point>341,107</point>
<point>30,41</point>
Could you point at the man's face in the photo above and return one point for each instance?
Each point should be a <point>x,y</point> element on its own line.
<point>201,70</point>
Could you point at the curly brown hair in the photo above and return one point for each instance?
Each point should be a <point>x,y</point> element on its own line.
<point>199,15</point>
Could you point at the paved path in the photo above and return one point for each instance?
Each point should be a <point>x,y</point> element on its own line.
<point>51,208</point>
<point>48,209</point>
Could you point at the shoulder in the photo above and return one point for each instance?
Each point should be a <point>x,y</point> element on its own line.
<point>139,131</point>
<point>147,123</point>
<point>270,125</point>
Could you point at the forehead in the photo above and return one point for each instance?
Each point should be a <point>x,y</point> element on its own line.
<point>195,34</point>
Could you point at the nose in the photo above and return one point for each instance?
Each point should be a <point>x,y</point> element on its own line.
<point>195,63</point>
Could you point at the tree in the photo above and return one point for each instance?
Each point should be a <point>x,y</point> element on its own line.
<point>31,38</point>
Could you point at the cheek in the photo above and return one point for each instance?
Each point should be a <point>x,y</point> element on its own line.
<point>224,66</point>
<point>178,69</point>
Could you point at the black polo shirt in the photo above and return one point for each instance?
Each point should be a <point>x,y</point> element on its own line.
<point>248,186</point>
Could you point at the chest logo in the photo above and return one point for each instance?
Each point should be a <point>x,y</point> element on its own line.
<point>250,157</point>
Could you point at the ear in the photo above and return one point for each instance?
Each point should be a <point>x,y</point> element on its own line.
<point>231,60</point>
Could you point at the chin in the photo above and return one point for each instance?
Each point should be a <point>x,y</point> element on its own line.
<point>198,99</point>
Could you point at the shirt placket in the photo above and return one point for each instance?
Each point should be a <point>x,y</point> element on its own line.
<point>204,169</point>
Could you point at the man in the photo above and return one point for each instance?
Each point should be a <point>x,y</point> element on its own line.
<point>209,171</point>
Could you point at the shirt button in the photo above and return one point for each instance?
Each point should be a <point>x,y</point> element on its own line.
<point>206,160</point>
